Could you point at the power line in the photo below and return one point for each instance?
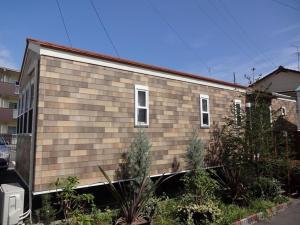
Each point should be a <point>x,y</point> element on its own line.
<point>246,37</point>
<point>222,29</point>
<point>104,28</point>
<point>286,5</point>
<point>63,21</point>
<point>172,28</point>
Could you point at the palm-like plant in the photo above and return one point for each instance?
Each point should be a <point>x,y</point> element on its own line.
<point>133,202</point>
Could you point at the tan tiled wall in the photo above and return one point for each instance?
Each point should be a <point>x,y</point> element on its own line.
<point>86,118</point>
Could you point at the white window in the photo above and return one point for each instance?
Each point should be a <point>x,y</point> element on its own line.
<point>283,111</point>
<point>237,112</point>
<point>271,115</point>
<point>141,105</point>
<point>204,111</point>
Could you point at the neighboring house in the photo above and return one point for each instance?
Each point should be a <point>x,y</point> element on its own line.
<point>283,83</point>
<point>80,109</point>
<point>8,103</point>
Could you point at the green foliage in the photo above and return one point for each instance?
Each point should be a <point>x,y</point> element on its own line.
<point>200,187</point>
<point>265,188</point>
<point>97,217</point>
<point>195,152</point>
<point>231,183</point>
<point>166,213</point>
<point>133,202</point>
<point>199,214</point>
<point>69,200</point>
<point>137,161</point>
<point>259,205</point>
<point>47,212</point>
<point>232,213</point>
<point>281,199</point>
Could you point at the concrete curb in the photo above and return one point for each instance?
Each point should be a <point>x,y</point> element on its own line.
<point>260,216</point>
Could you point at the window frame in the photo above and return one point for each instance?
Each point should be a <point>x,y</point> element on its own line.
<point>137,89</point>
<point>237,102</point>
<point>206,97</point>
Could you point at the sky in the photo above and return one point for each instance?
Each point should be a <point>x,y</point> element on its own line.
<point>212,38</point>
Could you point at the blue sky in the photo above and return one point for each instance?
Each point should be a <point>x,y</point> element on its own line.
<point>212,38</point>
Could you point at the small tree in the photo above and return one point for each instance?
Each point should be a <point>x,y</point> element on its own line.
<point>137,161</point>
<point>69,200</point>
<point>195,152</point>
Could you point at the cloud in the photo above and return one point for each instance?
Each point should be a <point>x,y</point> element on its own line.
<point>6,58</point>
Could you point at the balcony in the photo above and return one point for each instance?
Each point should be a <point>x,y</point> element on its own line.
<point>7,114</point>
<point>8,89</point>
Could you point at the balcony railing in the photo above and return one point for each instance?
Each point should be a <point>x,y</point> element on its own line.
<point>7,114</point>
<point>8,89</point>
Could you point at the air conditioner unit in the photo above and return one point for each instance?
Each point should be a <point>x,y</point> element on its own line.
<point>11,203</point>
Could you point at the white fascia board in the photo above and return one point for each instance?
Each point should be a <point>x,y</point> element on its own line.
<point>288,100</point>
<point>106,63</point>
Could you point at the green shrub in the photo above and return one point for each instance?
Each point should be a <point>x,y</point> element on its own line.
<point>232,213</point>
<point>195,152</point>
<point>265,188</point>
<point>200,186</point>
<point>196,214</point>
<point>70,201</point>
<point>166,213</point>
<point>97,217</point>
<point>281,199</point>
<point>261,205</point>
<point>47,212</point>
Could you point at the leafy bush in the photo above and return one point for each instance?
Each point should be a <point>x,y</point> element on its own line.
<point>265,188</point>
<point>97,217</point>
<point>166,213</point>
<point>69,200</point>
<point>47,212</point>
<point>261,205</point>
<point>196,214</point>
<point>281,199</point>
<point>200,186</point>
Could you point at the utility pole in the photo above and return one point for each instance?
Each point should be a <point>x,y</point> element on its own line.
<point>253,75</point>
<point>234,81</point>
<point>298,55</point>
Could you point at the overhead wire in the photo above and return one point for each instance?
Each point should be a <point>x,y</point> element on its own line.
<point>63,21</point>
<point>177,34</point>
<point>245,36</point>
<point>286,5</point>
<point>237,44</point>
<point>100,20</point>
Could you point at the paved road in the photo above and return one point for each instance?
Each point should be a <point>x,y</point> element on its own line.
<point>291,216</point>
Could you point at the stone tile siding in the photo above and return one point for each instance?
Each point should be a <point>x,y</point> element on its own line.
<point>86,118</point>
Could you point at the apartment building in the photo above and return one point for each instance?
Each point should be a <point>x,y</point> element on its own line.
<point>8,102</point>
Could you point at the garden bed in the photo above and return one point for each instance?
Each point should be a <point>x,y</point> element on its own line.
<point>262,215</point>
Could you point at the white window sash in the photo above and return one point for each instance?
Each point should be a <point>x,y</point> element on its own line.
<point>237,102</point>
<point>206,97</point>
<point>137,107</point>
